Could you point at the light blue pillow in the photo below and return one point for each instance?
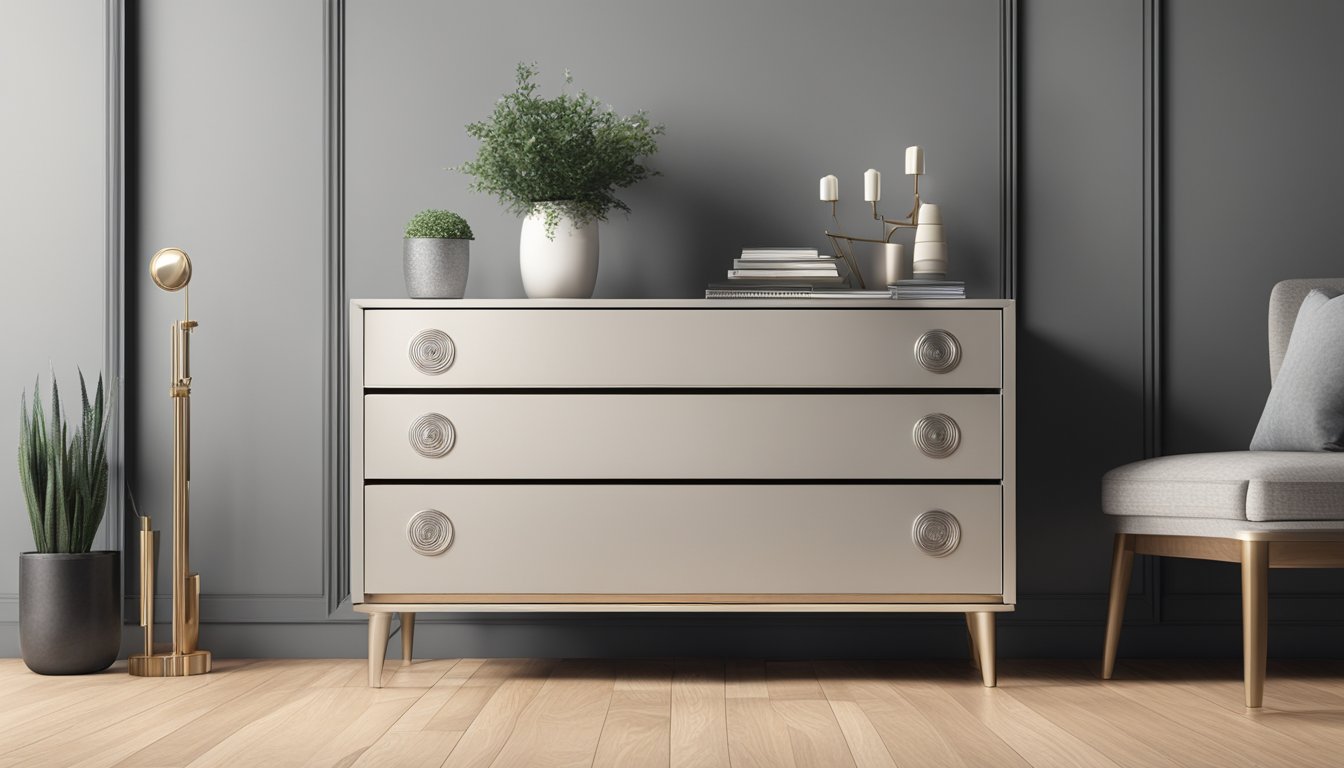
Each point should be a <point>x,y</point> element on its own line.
<point>1305,409</point>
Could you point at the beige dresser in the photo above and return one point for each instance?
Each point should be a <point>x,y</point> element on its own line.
<point>682,455</point>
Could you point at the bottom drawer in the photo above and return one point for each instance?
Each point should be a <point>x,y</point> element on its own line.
<point>702,540</point>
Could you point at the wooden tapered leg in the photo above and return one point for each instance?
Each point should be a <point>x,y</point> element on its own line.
<point>1122,565</point>
<point>380,624</point>
<point>970,639</point>
<point>1255,618</point>
<point>407,637</point>
<point>982,632</point>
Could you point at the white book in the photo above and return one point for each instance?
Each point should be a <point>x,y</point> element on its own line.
<point>789,274</point>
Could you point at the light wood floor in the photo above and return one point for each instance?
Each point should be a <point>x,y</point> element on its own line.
<point>471,712</point>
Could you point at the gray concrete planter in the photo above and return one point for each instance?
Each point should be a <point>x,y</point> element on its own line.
<point>435,268</point>
<point>69,611</point>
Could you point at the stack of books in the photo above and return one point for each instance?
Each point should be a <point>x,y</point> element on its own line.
<point>804,267</point>
<point>928,289</point>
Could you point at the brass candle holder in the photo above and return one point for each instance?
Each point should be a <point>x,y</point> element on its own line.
<point>170,269</point>
<point>914,166</point>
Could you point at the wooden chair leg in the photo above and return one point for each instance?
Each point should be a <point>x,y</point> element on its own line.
<point>1255,618</point>
<point>407,637</point>
<point>1122,566</point>
<point>982,631</point>
<point>380,625</point>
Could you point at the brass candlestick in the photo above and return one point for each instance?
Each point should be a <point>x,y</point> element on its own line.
<point>914,166</point>
<point>171,270</point>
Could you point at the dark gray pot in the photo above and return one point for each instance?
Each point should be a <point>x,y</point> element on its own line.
<point>435,267</point>
<point>69,612</point>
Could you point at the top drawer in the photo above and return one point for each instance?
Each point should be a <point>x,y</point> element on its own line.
<point>767,348</point>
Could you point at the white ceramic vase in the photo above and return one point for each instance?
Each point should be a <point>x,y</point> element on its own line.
<point>563,267</point>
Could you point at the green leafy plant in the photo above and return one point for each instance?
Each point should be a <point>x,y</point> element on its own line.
<point>64,472</point>
<point>568,154</point>
<point>443,224</point>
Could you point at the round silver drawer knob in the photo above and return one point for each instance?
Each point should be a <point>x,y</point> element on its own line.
<point>432,435</point>
<point>430,532</point>
<point>938,351</point>
<point>936,533</point>
<point>432,352</point>
<point>937,435</point>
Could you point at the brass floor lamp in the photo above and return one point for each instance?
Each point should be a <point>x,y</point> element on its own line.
<point>171,270</point>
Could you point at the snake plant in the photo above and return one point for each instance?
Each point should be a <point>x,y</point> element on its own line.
<point>64,471</point>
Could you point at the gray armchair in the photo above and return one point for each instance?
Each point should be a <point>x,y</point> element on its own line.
<point>1262,509</point>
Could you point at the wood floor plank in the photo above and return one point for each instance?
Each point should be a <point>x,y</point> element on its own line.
<point>494,723</point>
<point>637,730</point>
<point>561,726</point>
<point>910,737</point>
<point>460,710</point>
<point>418,749</point>
<point>756,735</point>
<point>814,733</point>
<point>699,722</point>
<point>1244,735</point>
<point>745,680</point>
<point>1293,708</point>
<point>516,712</point>
<point>865,743</point>
<point>788,680</point>
<point>1039,741</point>
<point>973,743</point>
<point>282,682</point>
<point>1117,727</point>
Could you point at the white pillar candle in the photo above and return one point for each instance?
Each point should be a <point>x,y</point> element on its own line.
<point>914,160</point>
<point>872,186</point>
<point>830,189</point>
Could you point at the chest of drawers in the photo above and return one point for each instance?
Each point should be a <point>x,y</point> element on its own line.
<point>682,455</point>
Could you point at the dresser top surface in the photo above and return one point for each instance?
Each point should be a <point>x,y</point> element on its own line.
<point>877,303</point>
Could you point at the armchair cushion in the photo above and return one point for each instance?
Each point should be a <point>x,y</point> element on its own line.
<point>1305,409</point>
<point>1264,486</point>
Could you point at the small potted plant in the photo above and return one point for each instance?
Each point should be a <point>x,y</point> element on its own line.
<point>436,254</point>
<point>558,162</point>
<point>69,612</point>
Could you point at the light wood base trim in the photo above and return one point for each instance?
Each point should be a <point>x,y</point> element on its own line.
<point>407,636</point>
<point>1255,617</point>
<point>390,608</point>
<point>644,599</point>
<point>1122,566</point>
<point>380,624</point>
<point>982,636</point>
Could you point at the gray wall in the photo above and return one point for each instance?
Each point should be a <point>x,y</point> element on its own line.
<point>226,121</point>
<point>52,238</point>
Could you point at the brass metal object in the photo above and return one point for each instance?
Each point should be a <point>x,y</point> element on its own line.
<point>170,269</point>
<point>889,228</point>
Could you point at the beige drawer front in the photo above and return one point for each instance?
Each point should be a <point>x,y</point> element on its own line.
<point>521,348</point>
<point>681,539</point>
<point>670,436</point>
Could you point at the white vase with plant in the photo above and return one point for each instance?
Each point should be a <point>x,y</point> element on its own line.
<point>558,162</point>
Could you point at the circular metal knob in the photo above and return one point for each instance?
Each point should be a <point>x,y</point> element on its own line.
<point>936,533</point>
<point>432,351</point>
<point>430,532</point>
<point>937,435</point>
<point>432,435</point>
<point>938,351</point>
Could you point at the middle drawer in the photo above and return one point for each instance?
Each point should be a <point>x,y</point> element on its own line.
<point>674,436</point>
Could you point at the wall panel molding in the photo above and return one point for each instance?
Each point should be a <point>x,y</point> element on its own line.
<point>335,402</point>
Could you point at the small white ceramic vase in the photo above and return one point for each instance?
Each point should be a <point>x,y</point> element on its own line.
<point>561,268</point>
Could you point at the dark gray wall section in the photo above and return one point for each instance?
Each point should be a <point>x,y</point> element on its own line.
<point>760,100</point>
<point>1080,281</point>
<point>1254,160</point>
<point>52,237</point>
<point>1254,163</point>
